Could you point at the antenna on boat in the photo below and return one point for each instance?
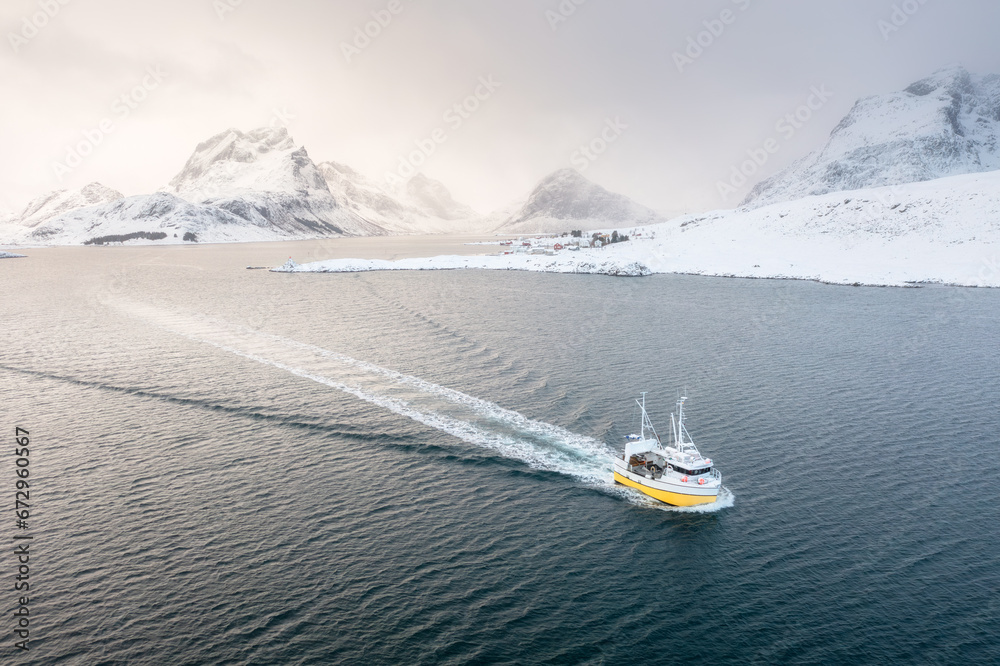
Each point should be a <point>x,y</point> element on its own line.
<point>680,429</point>
<point>646,423</point>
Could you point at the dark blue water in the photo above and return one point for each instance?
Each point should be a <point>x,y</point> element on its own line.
<point>227,470</point>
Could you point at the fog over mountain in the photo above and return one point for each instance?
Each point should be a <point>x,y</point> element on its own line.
<point>566,200</point>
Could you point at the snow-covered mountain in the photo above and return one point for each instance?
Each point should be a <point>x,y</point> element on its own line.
<point>434,199</point>
<point>258,180</point>
<point>235,187</point>
<point>143,218</point>
<point>566,200</point>
<point>942,231</point>
<point>262,177</point>
<point>424,206</point>
<point>944,125</point>
<point>262,181</point>
<point>54,204</point>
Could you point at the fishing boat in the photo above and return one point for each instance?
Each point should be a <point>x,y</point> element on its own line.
<point>675,473</point>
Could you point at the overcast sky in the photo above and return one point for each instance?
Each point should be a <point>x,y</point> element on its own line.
<point>191,68</point>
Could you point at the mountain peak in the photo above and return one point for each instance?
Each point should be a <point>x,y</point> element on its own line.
<point>222,152</point>
<point>434,198</point>
<point>566,199</point>
<point>50,205</point>
<point>421,205</point>
<point>943,125</point>
<point>948,79</point>
<point>264,178</point>
<point>563,176</point>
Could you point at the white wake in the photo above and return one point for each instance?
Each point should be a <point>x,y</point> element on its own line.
<point>479,422</point>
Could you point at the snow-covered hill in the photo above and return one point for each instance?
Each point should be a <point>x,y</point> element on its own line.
<point>942,231</point>
<point>160,213</point>
<point>264,178</point>
<point>54,204</point>
<point>565,200</point>
<point>947,124</point>
<point>945,230</point>
<point>424,206</point>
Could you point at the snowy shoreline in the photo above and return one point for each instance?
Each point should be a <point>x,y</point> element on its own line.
<point>943,232</point>
<point>608,268</point>
<point>487,262</point>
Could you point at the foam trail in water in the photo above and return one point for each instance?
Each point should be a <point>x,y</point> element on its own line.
<point>473,420</point>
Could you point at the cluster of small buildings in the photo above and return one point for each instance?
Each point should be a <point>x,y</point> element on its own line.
<point>543,245</point>
<point>551,244</point>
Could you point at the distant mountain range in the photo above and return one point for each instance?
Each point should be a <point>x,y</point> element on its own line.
<point>260,185</point>
<point>945,125</point>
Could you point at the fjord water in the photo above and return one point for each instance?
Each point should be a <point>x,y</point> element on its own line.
<point>235,466</point>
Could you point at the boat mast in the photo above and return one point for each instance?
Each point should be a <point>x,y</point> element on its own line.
<point>642,425</point>
<point>680,422</point>
<point>645,420</point>
<point>681,444</point>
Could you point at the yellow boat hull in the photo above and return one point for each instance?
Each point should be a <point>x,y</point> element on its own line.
<point>675,499</point>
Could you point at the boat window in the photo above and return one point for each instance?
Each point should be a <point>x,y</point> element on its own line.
<point>692,472</point>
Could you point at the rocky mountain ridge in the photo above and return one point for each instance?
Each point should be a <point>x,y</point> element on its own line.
<point>944,125</point>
